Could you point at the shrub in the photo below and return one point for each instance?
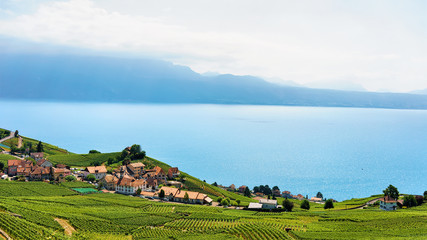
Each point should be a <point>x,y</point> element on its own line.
<point>91,178</point>
<point>70,178</point>
<point>328,204</point>
<point>288,205</point>
<point>305,204</point>
<point>224,202</point>
<point>409,201</point>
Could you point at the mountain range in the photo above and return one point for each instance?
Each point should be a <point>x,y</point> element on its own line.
<point>113,79</point>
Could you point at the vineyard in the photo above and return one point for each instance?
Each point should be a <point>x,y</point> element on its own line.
<point>28,211</point>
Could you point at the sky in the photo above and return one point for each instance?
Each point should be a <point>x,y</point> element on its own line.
<point>374,45</point>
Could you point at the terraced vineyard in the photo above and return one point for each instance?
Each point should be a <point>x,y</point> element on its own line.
<point>28,210</point>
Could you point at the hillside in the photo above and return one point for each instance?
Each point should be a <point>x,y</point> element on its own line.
<point>108,79</point>
<point>56,155</point>
<point>31,210</point>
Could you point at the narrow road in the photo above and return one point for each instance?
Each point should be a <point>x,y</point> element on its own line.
<point>4,235</point>
<point>12,135</point>
<point>68,229</point>
<point>368,203</point>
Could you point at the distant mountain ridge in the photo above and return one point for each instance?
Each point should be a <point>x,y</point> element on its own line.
<point>108,79</point>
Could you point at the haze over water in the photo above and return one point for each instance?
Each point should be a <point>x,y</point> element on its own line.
<point>341,152</point>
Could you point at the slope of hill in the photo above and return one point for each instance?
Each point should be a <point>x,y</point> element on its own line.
<point>107,79</point>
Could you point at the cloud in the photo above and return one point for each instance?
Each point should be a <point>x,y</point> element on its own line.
<point>305,42</point>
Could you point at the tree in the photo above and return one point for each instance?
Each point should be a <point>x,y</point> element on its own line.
<point>1,166</point>
<point>40,147</point>
<point>138,191</point>
<point>94,151</point>
<point>238,202</point>
<point>319,195</point>
<point>288,205</point>
<point>96,163</point>
<point>100,186</point>
<point>91,178</point>
<point>409,201</point>
<point>16,133</point>
<point>215,184</point>
<point>70,178</point>
<point>305,204</point>
<point>126,161</point>
<point>276,188</point>
<point>247,192</point>
<point>328,204</point>
<point>256,189</point>
<point>224,202</point>
<point>420,199</point>
<point>425,195</point>
<point>162,194</point>
<point>267,190</point>
<point>186,197</point>
<point>110,161</point>
<point>219,199</point>
<point>391,191</point>
<point>134,149</point>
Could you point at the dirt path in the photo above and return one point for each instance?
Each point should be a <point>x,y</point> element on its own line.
<point>12,135</point>
<point>3,235</point>
<point>19,142</point>
<point>67,227</point>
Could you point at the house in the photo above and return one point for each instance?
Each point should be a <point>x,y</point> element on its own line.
<point>232,187</point>
<point>387,203</point>
<point>40,173</point>
<point>253,205</point>
<point>173,172</point>
<point>316,200</point>
<point>242,189</point>
<point>299,197</point>
<point>268,203</point>
<point>276,192</point>
<point>155,173</point>
<point>37,155</point>
<point>286,194</point>
<point>110,182</point>
<point>59,174</point>
<point>128,185</point>
<point>19,167</point>
<point>136,169</point>
<point>99,171</point>
<point>178,195</point>
<point>44,163</point>
<point>61,166</point>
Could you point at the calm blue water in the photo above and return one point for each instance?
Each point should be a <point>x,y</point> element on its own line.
<point>341,152</point>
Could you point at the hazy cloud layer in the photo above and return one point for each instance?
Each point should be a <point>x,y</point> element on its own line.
<point>375,44</point>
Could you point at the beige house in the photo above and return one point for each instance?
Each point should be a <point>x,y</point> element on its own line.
<point>110,182</point>
<point>178,195</point>
<point>99,171</point>
<point>136,169</point>
<point>127,185</point>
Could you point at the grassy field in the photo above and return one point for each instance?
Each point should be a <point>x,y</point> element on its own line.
<point>114,216</point>
<point>49,149</point>
<point>82,160</point>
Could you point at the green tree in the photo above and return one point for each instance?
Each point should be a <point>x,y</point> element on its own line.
<point>138,191</point>
<point>100,186</point>
<point>70,178</point>
<point>288,205</point>
<point>91,178</point>
<point>126,161</point>
<point>409,201</point>
<point>215,184</point>
<point>162,193</point>
<point>1,166</point>
<point>110,161</point>
<point>224,202</point>
<point>186,197</point>
<point>16,133</point>
<point>391,191</point>
<point>40,147</point>
<point>305,204</point>
<point>96,163</point>
<point>238,202</point>
<point>319,195</point>
<point>328,204</point>
<point>247,192</point>
<point>425,195</point>
<point>94,151</point>
<point>219,199</point>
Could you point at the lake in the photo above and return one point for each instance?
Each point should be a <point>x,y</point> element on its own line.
<point>341,152</point>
